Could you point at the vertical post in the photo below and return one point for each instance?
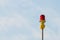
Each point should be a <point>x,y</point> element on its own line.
<point>42,34</point>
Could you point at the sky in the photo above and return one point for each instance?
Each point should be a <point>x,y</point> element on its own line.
<point>19,19</point>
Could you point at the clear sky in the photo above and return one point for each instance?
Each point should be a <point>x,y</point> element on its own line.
<point>19,19</point>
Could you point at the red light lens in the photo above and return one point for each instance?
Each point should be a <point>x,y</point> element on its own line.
<point>42,17</point>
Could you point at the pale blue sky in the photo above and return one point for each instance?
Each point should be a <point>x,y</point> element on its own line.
<point>19,19</point>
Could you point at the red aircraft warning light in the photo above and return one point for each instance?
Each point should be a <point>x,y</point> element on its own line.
<point>42,21</point>
<point>42,17</point>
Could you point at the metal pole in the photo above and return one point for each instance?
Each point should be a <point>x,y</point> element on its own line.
<point>42,34</point>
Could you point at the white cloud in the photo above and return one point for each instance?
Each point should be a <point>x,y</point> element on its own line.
<point>12,20</point>
<point>35,33</point>
<point>20,37</point>
<point>3,2</point>
<point>16,21</point>
<point>15,37</point>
